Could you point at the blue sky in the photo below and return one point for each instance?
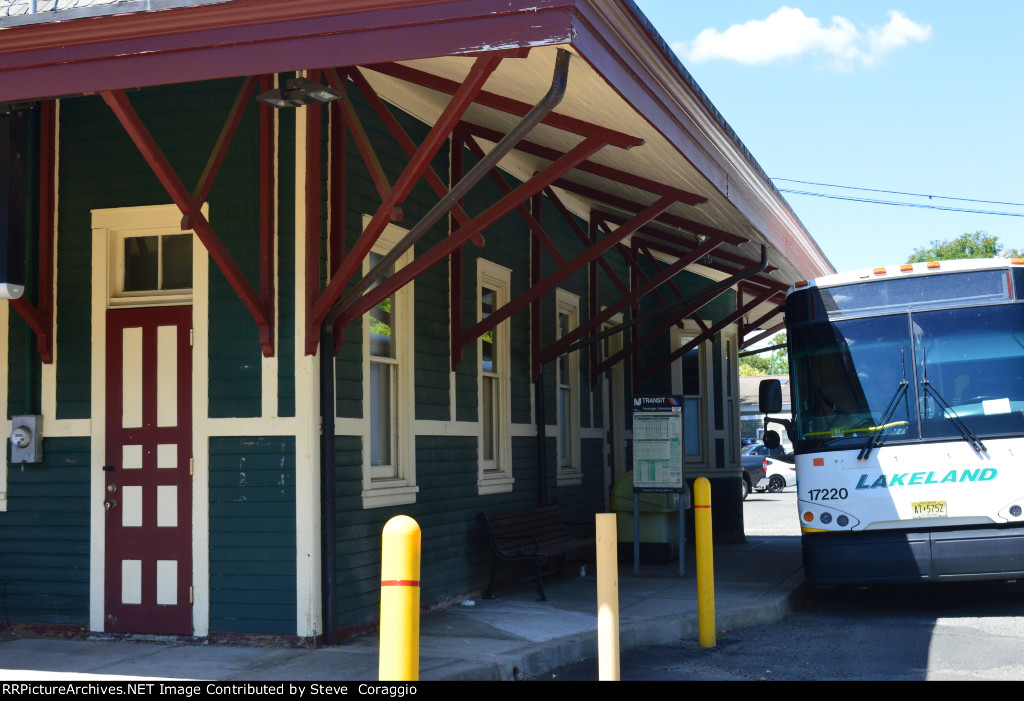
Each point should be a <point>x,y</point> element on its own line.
<point>909,96</point>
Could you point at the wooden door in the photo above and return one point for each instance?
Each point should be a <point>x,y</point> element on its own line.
<point>148,485</point>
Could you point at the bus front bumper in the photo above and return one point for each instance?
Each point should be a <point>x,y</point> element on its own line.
<point>877,557</point>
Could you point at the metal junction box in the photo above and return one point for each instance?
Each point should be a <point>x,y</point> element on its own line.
<point>26,439</point>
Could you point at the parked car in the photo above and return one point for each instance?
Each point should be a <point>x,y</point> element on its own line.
<point>752,459</point>
<point>780,472</point>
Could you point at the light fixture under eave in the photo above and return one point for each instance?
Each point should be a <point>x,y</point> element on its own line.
<point>299,92</point>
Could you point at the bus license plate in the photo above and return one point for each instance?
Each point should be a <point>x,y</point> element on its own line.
<point>929,509</point>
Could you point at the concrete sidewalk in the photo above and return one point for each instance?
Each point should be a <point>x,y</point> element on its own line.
<point>510,637</point>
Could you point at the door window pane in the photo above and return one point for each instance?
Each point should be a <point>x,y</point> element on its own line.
<point>177,262</point>
<point>141,263</point>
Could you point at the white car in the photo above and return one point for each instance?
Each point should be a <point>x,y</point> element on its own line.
<point>779,473</point>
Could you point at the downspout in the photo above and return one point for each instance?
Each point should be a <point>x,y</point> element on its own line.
<point>327,403</point>
<point>541,110</point>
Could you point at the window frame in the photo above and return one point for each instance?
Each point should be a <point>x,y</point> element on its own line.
<point>395,484</point>
<point>117,296</point>
<point>495,476</point>
<point>570,470</point>
<point>705,370</point>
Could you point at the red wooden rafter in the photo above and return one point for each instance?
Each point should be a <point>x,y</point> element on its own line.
<point>652,283</point>
<point>492,214</point>
<point>388,119</point>
<point>706,335</point>
<point>317,312</point>
<point>260,309</point>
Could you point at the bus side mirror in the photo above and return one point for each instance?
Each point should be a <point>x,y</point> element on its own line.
<point>769,397</point>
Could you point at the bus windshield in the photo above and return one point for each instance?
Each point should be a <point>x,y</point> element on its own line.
<point>910,376</point>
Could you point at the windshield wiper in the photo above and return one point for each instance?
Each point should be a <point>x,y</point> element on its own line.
<point>965,431</point>
<point>876,438</point>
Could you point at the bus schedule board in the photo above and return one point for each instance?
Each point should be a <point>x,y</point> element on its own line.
<point>658,442</point>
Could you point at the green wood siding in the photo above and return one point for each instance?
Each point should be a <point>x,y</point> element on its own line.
<point>252,535</point>
<point>44,537</point>
<point>101,168</point>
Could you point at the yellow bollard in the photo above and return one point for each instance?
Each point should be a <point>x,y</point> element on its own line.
<point>705,562</point>
<point>399,656</point>
<point>607,598</point>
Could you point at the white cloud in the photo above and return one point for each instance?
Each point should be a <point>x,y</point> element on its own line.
<point>788,34</point>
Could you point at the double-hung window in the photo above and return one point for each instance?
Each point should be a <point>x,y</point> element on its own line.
<point>495,471</point>
<point>389,473</point>
<point>567,380</point>
<point>689,376</point>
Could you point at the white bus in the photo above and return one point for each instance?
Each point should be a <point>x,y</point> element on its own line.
<point>907,388</point>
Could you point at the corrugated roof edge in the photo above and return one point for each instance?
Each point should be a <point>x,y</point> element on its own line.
<point>104,10</point>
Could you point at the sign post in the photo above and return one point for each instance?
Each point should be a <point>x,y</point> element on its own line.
<point>658,461</point>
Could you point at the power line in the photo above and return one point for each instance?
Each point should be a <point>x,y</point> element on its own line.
<point>898,192</point>
<point>907,204</point>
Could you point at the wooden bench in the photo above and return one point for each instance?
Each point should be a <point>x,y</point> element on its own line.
<point>534,535</point>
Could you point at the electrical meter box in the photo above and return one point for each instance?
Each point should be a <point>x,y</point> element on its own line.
<point>26,439</point>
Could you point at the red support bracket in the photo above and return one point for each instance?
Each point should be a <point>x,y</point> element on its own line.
<point>705,335</point>
<point>531,221</point>
<point>220,148</point>
<point>40,318</point>
<point>312,115</point>
<point>355,126</point>
<point>119,104</point>
<point>585,239</point>
<point>767,333</point>
<point>492,214</point>
<point>418,164</point>
<point>552,280</point>
<point>406,143</point>
<point>596,319</point>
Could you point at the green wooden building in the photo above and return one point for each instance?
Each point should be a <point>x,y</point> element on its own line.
<point>291,269</point>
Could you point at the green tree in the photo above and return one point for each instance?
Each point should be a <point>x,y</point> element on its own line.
<point>978,244</point>
<point>774,362</point>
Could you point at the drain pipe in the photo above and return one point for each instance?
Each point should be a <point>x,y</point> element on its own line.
<point>541,110</point>
<point>328,536</point>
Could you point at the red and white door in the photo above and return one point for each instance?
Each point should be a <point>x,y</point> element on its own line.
<point>147,480</point>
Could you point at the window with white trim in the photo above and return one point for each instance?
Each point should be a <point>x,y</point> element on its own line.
<point>389,471</point>
<point>495,471</point>
<point>567,380</point>
<point>689,378</point>
<point>150,268</point>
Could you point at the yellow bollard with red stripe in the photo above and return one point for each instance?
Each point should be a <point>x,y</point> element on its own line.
<point>399,655</point>
<point>705,562</point>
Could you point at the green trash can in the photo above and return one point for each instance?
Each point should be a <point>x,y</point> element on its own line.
<point>659,522</point>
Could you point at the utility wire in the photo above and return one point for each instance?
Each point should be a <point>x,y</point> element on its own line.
<point>907,204</point>
<point>897,192</point>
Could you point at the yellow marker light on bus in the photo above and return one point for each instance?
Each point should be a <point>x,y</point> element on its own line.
<point>1017,261</point>
<point>934,264</point>
<point>800,283</point>
<point>808,516</point>
<point>879,271</point>
<point>906,268</point>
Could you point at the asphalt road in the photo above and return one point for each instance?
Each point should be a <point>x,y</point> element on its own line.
<point>952,631</point>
